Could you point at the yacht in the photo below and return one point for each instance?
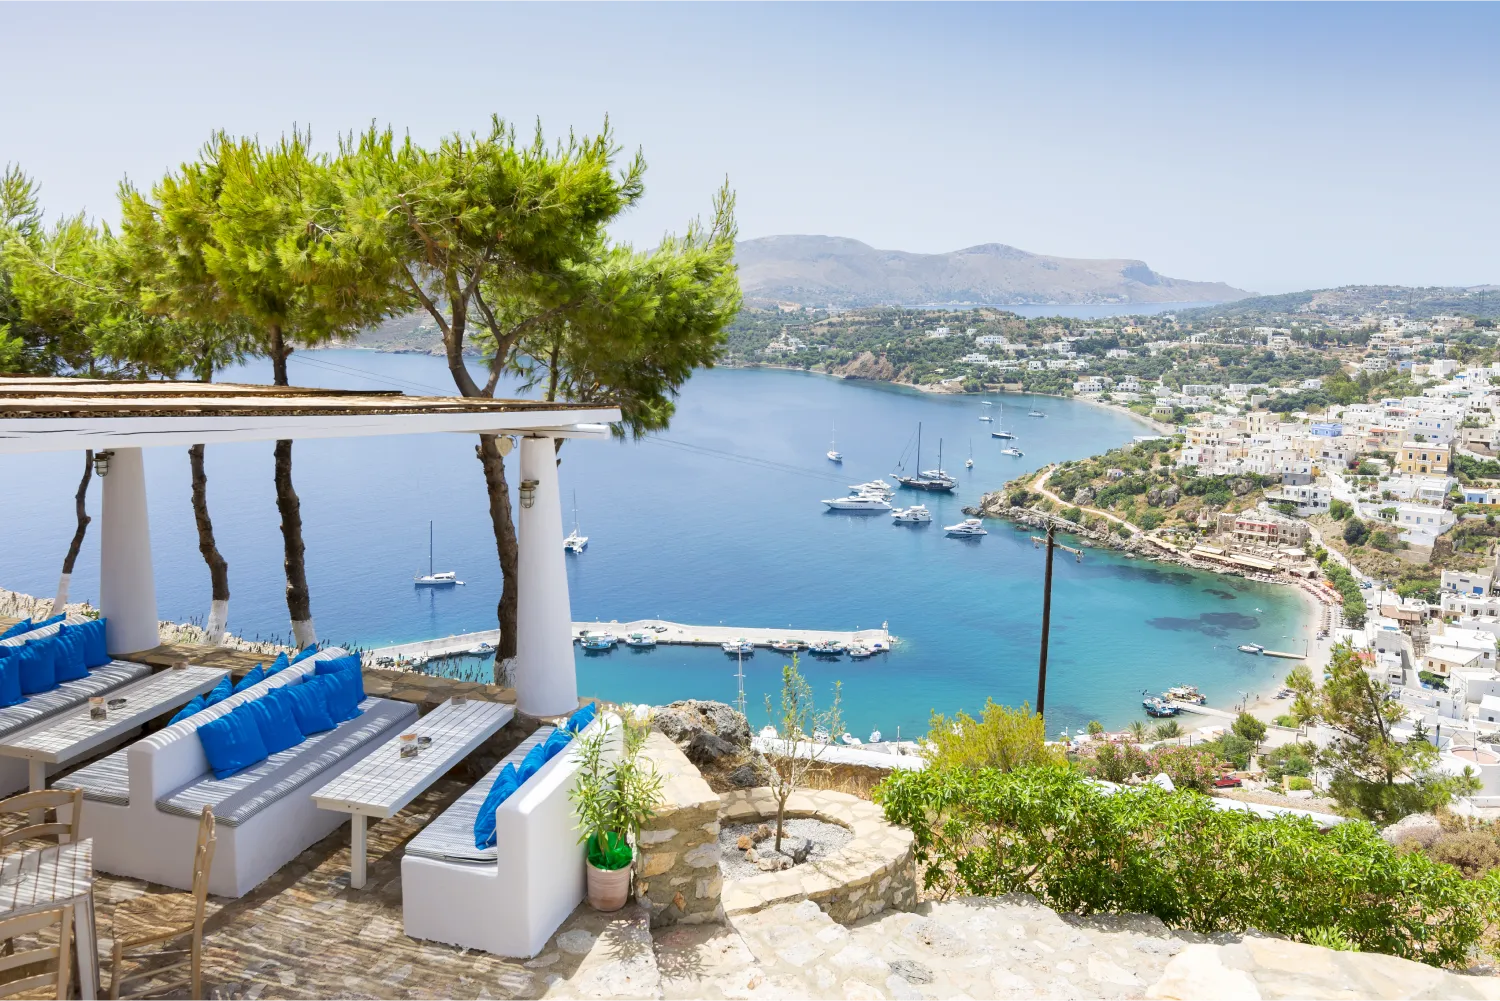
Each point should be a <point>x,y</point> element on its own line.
<point>834,455</point>
<point>969,462</point>
<point>859,503</point>
<point>917,514</point>
<point>429,579</point>
<point>880,487</point>
<point>969,528</point>
<point>987,418</point>
<point>1252,648</point>
<point>1012,451</point>
<point>928,479</point>
<point>739,647</point>
<point>874,737</point>
<point>1186,693</point>
<point>820,736</point>
<point>1000,431</point>
<point>575,543</point>
<point>640,639</point>
<point>1036,413</point>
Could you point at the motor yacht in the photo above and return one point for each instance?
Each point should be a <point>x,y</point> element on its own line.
<point>1186,693</point>
<point>1012,451</point>
<point>739,647</point>
<point>859,503</point>
<point>969,528</point>
<point>917,514</point>
<point>880,487</point>
<point>1252,648</point>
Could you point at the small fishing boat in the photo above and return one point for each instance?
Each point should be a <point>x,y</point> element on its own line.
<point>874,736</point>
<point>738,648</point>
<point>851,740</point>
<point>1155,706</point>
<point>826,648</point>
<point>643,640</point>
<point>786,646</point>
<point>860,652</point>
<point>597,642</point>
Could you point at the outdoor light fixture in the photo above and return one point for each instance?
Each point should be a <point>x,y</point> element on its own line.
<point>528,492</point>
<point>101,461</point>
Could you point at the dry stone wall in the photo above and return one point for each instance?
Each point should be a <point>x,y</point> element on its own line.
<point>677,877</point>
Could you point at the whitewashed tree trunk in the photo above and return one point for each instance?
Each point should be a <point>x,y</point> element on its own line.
<point>61,601</point>
<point>218,620</point>
<point>505,672</point>
<point>303,633</point>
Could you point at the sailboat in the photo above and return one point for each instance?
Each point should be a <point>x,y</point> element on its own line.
<point>969,462</point>
<point>928,479</point>
<point>447,578</point>
<point>834,455</point>
<point>575,543</point>
<point>1000,431</point>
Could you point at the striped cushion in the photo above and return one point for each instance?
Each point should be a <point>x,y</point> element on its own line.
<point>105,781</point>
<point>244,794</point>
<point>69,694</point>
<point>450,838</point>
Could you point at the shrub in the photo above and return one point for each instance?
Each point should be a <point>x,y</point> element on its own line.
<point>1250,728</point>
<point>1073,514</point>
<point>1188,767</point>
<point>1299,783</point>
<point>1288,720</point>
<point>1289,759</point>
<point>1115,762</point>
<point>1339,510</point>
<point>1002,738</point>
<point>1473,853</point>
<point>1355,532</point>
<point>1433,680</point>
<point>1095,728</point>
<point>1053,833</point>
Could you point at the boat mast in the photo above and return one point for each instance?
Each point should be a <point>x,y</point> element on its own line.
<point>919,448</point>
<point>429,549</point>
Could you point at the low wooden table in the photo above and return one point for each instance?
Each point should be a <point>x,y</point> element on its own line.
<point>45,879</point>
<point>383,782</point>
<point>74,733</point>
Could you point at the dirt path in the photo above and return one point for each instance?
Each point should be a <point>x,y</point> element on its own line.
<point>1040,486</point>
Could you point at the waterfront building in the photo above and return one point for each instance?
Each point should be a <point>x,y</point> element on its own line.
<point>1262,528</point>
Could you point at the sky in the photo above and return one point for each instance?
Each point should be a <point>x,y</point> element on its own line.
<point>1272,146</point>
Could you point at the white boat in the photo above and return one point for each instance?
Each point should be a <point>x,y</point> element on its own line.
<point>640,639</point>
<point>768,733</point>
<point>575,543</point>
<point>1000,431</point>
<point>987,418</point>
<point>880,487</point>
<point>860,652</point>
<point>1036,413</point>
<point>1012,451</point>
<point>834,455</point>
<point>859,504</point>
<point>874,736</point>
<point>739,647</point>
<point>917,514</point>
<point>447,578</point>
<point>969,528</point>
<point>1251,648</point>
<point>985,403</point>
<point>851,740</point>
<point>820,736</point>
<point>928,479</point>
<point>969,462</point>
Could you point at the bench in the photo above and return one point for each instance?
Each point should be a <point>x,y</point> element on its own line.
<point>506,900</point>
<point>144,801</point>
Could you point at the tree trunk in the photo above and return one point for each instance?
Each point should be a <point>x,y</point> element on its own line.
<point>488,451</point>
<point>780,817</point>
<point>61,600</point>
<point>298,598</point>
<point>218,567</point>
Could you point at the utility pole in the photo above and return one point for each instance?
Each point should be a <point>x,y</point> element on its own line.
<point>1041,672</point>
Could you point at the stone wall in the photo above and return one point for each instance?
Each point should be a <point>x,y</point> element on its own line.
<point>871,873</point>
<point>677,877</point>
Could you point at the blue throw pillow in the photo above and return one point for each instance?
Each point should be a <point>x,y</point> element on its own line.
<point>232,743</point>
<point>343,692</point>
<point>95,650</point>
<point>350,661</point>
<point>20,627</point>
<point>53,620</point>
<point>277,724</point>
<point>535,759</point>
<point>254,676</point>
<point>220,692</point>
<point>277,665</point>
<point>37,664</point>
<point>507,782</point>
<point>193,708</point>
<point>71,664</point>
<point>307,652</point>
<point>555,742</point>
<point>583,717</point>
<point>309,708</point>
<point>10,683</point>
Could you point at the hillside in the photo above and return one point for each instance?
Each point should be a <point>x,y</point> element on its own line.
<point>825,270</point>
<point>1479,301</point>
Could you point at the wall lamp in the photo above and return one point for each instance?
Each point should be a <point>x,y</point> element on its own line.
<point>101,461</point>
<point>528,492</point>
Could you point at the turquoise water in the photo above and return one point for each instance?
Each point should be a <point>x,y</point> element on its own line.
<point>718,520</point>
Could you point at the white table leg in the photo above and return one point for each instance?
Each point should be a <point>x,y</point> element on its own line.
<point>37,773</point>
<point>357,850</point>
<point>88,953</point>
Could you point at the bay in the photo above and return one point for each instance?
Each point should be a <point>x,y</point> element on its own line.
<point>716,520</point>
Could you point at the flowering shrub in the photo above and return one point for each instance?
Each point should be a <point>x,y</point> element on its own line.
<point>1187,767</point>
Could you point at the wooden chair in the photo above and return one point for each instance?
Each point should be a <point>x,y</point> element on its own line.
<point>29,965</point>
<point>163,919</point>
<point>36,807</point>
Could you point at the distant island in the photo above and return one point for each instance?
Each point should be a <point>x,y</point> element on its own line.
<point>839,272</point>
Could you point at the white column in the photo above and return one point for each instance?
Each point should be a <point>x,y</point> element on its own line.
<point>127,588</point>
<point>546,683</point>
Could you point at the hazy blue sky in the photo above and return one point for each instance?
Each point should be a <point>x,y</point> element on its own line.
<point>1275,146</point>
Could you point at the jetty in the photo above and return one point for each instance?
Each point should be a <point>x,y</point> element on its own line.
<point>667,633</point>
<point>1200,709</point>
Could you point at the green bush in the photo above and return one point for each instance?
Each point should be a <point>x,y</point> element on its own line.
<point>1051,832</point>
<point>1354,598</point>
<point>1434,680</point>
<point>1288,720</point>
<point>1299,783</point>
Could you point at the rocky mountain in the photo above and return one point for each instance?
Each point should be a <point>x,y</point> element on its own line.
<point>834,271</point>
<point>1482,301</point>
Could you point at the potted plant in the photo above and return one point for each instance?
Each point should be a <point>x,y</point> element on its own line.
<point>614,795</point>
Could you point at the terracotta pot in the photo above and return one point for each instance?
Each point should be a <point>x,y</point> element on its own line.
<point>608,888</point>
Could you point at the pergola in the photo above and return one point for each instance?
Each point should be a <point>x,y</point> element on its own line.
<point>123,418</point>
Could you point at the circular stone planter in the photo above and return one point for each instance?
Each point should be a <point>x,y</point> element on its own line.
<point>874,871</point>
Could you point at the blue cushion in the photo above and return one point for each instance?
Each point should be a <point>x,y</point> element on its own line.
<point>24,626</point>
<point>555,742</point>
<point>10,682</point>
<point>254,676</point>
<point>277,665</point>
<point>37,664</point>
<point>307,652</point>
<point>71,663</point>
<point>349,665</point>
<point>53,620</point>
<point>535,759</point>
<point>95,651</point>
<point>582,718</point>
<point>220,692</point>
<point>278,726</point>
<point>193,708</point>
<point>338,691</point>
<point>232,743</point>
<point>309,708</point>
<point>507,782</point>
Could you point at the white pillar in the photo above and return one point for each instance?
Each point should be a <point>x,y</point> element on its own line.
<point>546,682</point>
<point>127,588</point>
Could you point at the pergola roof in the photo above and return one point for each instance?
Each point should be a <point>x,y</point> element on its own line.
<point>39,414</point>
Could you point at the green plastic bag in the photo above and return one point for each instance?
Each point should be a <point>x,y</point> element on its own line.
<point>616,853</point>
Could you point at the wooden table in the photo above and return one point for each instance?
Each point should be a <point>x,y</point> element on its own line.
<point>45,879</point>
<point>74,733</point>
<point>383,782</point>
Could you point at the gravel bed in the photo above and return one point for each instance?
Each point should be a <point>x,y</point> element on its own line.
<point>826,839</point>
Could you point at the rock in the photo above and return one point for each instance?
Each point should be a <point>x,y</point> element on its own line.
<point>1171,495</point>
<point>706,747</point>
<point>750,854</point>
<point>797,848</point>
<point>762,833</point>
<point>744,843</point>
<point>1240,486</point>
<point>911,971</point>
<point>744,777</point>
<point>1153,496</point>
<point>771,863</point>
<point>1085,495</point>
<point>1423,828</point>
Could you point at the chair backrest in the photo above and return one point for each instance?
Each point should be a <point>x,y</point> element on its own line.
<point>41,800</point>
<point>17,969</point>
<point>203,863</point>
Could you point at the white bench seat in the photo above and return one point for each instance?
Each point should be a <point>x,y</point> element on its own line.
<point>451,836</point>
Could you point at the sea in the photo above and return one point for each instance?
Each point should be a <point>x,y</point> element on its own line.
<point>717,520</point>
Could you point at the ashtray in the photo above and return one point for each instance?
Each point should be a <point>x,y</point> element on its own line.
<point>424,741</point>
<point>116,703</point>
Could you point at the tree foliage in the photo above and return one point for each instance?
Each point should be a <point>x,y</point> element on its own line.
<point>1002,738</point>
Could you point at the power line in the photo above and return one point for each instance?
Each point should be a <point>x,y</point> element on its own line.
<point>747,460</point>
<point>393,381</point>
